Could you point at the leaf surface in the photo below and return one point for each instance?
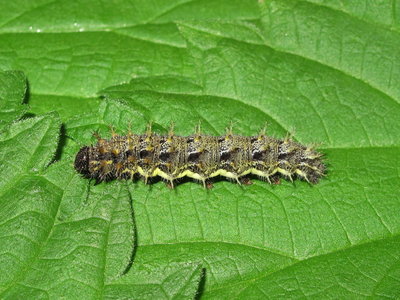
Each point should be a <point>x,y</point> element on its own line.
<point>12,92</point>
<point>61,236</point>
<point>325,71</point>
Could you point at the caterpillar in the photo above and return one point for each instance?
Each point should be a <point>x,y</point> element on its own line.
<point>198,156</point>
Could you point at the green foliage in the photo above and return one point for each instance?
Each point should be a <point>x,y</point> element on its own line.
<point>327,70</point>
<point>12,93</point>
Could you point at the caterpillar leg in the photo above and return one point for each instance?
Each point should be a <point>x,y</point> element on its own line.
<point>237,180</point>
<point>245,181</point>
<point>170,184</point>
<point>209,185</point>
<point>203,180</point>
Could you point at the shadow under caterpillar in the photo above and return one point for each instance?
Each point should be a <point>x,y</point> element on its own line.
<point>198,156</point>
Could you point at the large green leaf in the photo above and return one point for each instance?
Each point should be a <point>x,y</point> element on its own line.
<point>328,71</point>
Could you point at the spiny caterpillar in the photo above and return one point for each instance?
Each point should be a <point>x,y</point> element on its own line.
<point>198,156</point>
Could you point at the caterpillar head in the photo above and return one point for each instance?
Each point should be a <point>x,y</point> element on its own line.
<point>82,161</point>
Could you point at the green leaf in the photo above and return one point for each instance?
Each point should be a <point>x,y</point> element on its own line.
<point>343,273</point>
<point>63,236</point>
<point>28,202</point>
<point>12,94</point>
<point>363,49</point>
<point>326,71</point>
<point>27,147</point>
<point>165,281</point>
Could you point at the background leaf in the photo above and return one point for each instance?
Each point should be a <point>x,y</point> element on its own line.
<point>173,281</point>
<point>12,92</point>
<point>327,71</point>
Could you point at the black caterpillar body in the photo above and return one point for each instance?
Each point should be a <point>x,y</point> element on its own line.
<point>198,156</point>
